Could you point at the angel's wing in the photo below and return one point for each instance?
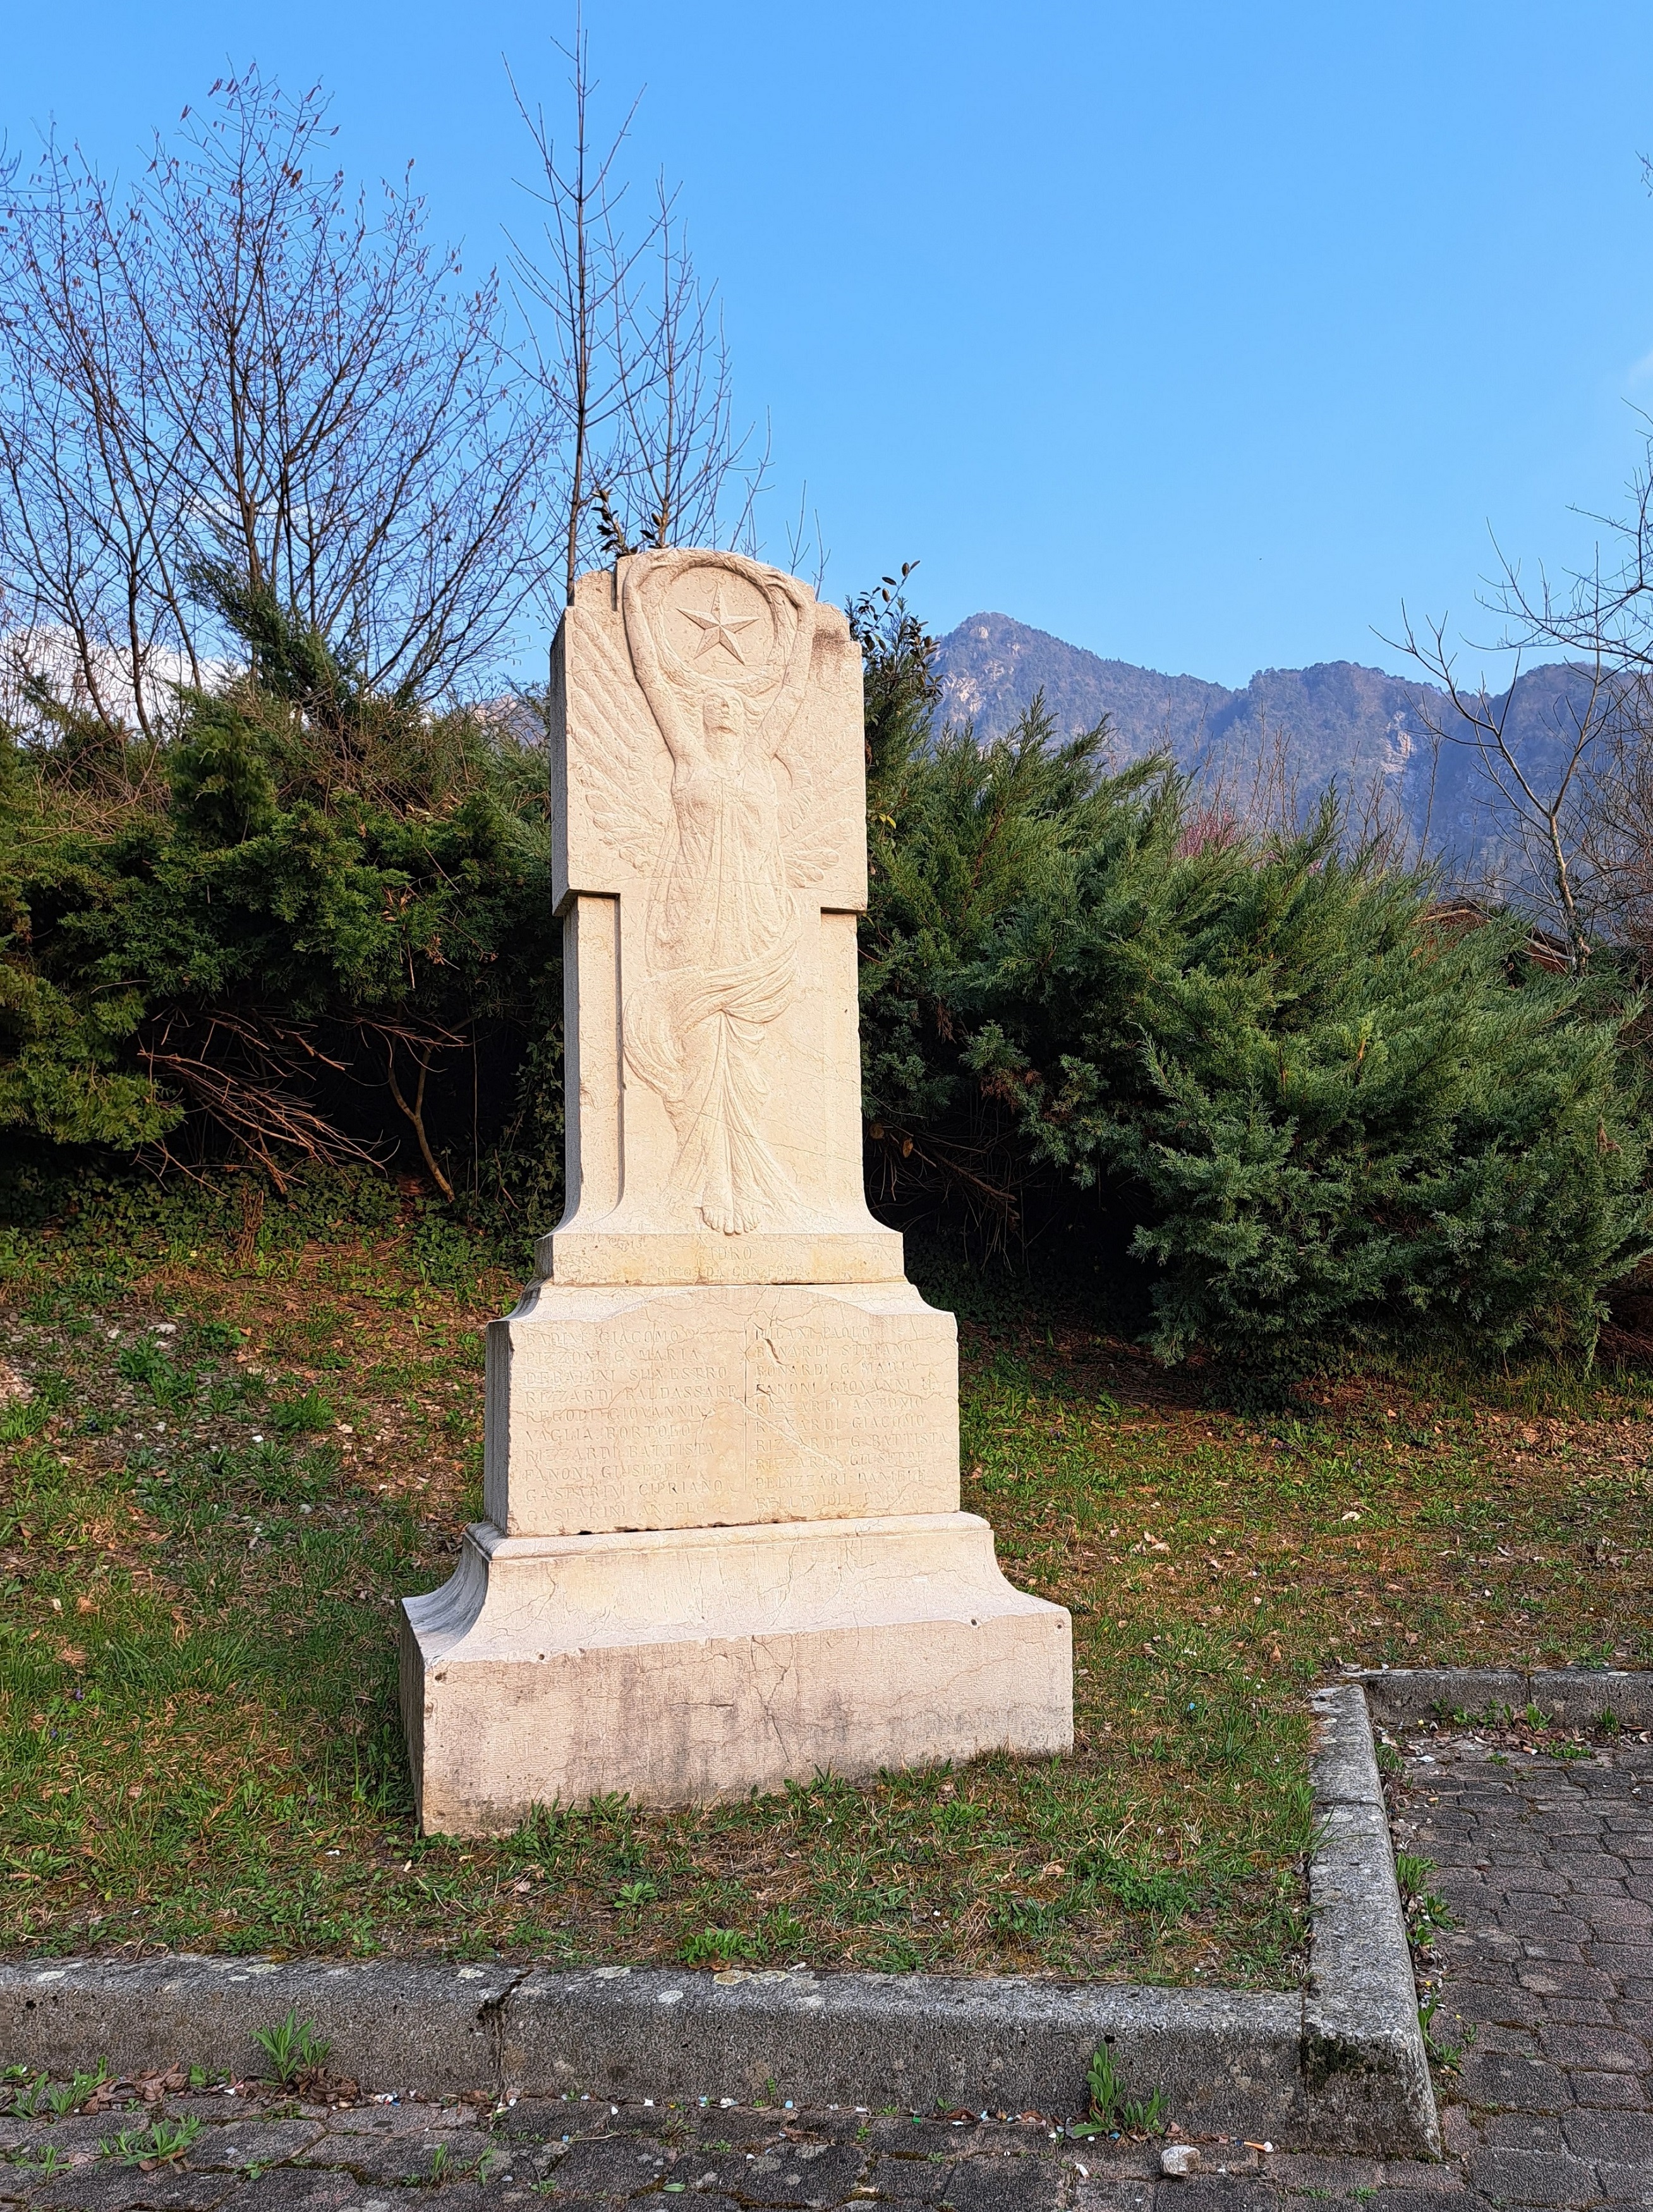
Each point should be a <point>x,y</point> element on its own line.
<point>809,857</point>
<point>819,820</point>
<point>618,755</point>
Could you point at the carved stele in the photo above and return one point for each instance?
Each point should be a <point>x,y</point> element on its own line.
<point>723,1545</point>
<point>710,854</point>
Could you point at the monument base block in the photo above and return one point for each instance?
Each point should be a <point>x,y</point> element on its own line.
<point>681,1666</point>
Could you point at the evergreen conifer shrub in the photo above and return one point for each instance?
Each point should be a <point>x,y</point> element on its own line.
<point>313,923</point>
<point>1323,1120</point>
<point>1329,1122</point>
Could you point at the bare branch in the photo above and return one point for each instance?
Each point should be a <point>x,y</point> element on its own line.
<point>416,1112</point>
<point>1544,792</point>
<point>630,352</point>
<point>239,363</point>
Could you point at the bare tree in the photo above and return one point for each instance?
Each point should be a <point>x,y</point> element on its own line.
<point>580,281</point>
<point>631,353</point>
<point>1548,788</point>
<point>1578,795</point>
<point>682,473</point>
<point>238,365</point>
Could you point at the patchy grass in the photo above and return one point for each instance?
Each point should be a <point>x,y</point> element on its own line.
<point>219,1474</point>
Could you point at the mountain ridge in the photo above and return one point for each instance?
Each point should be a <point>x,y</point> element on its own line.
<point>1332,722</point>
<point>991,665</point>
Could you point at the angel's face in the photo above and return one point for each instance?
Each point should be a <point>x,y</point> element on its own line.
<point>720,721</point>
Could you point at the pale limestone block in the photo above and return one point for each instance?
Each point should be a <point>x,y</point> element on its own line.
<point>684,1406</point>
<point>709,854</point>
<point>681,1667</point>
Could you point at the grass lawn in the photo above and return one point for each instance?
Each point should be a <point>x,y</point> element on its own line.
<point>219,1468</point>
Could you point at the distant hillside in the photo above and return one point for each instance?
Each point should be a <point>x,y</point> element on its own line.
<point>1335,720</point>
<point>991,667</point>
<point>1339,716</point>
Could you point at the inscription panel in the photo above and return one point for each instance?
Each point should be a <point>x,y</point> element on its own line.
<point>720,1406</point>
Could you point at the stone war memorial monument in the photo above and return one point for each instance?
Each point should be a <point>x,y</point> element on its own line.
<point>723,1545</point>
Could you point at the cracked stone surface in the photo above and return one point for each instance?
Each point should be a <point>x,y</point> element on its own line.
<point>1547,1869</point>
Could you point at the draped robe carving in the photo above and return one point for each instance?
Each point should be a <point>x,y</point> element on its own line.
<point>729,850</point>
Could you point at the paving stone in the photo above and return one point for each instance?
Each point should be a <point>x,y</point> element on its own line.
<point>1622,1961</point>
<point>1023,2183</point>
<point>1526,2085</point>
<point>1603,2049</point>
<point>1502,2004</point>
<point>81,2137</point>
<point>1583,2012</point>
<point>535,2121</point>
<point>1134,2161</point>
<point>397,2160</point>
<point>913,2180</point>
<point>1302,2170</point>
<point>411,2116</point>
<point>1523,2131</point>
<point>707,2203</point>
<point>252,2142</point>
<point>1459,2133</point>
<point>618,2166</point>
<point>1421,2179</point>
<point>1625,2185</point>
<point>292,2189</point>
<point>1498,2036</point>
<point>896,2131</point>
<point>1543,1928</point>
<point>472,2196</point>
<point>108,2187</point>
<point>1550,1864</point>
<point>1216,2192</point>
<point>1532,2177</point>
<point>804,2173</point>
<point>1558,1979</point>
<point>1619,2092</point>
<point>1626,2137</point>
<point>721,2172</point>
<point>1612,1911</point>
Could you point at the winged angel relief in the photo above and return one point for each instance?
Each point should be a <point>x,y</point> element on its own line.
<point>719,648</point>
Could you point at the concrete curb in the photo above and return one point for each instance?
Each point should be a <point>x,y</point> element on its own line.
<point>1575,1695</point>
<point>1343,2064</point>
<point>1364,2070</point>
<point>1223,2061</point>
<point>390,2025</point>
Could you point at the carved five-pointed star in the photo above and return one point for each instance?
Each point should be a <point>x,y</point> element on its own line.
<point>718,628</point>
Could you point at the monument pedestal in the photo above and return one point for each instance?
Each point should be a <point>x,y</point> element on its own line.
<point>682,1666</point>
<point>722,1548</point>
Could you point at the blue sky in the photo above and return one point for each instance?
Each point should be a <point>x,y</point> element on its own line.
<point>1203,336</point>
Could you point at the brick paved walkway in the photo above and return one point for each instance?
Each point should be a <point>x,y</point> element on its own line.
<point>1549,1869</point>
